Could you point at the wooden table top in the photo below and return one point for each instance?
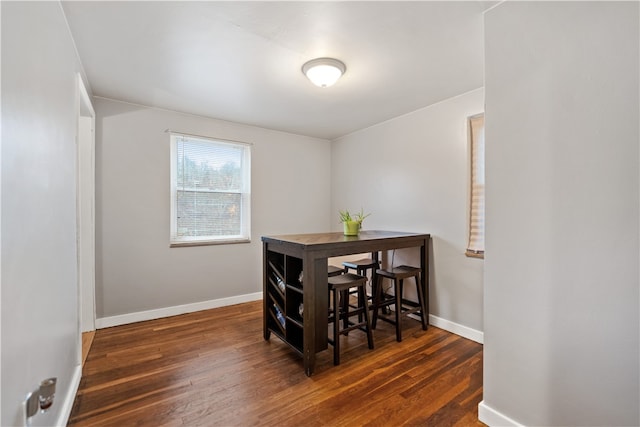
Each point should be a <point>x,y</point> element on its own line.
<point>315,239</point>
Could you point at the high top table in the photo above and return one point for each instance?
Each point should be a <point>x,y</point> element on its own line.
<point>295,281</point>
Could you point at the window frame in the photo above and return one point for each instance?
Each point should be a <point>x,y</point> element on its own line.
<point>472,249</point>
<point>245,193</point>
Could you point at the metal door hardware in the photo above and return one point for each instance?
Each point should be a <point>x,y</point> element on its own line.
<point>41,398</point>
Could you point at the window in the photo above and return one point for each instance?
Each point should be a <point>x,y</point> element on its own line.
<point>475,248</point>
<point>210,191</point>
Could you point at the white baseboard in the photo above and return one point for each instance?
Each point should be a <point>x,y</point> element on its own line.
<point>69,398</point>
<point>140,316</point>
<point>456,328</point>
<point>493,418</point>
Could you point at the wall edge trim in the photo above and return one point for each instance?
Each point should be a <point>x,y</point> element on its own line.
<point>140,316</point>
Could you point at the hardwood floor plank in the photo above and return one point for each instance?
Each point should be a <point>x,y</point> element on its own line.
<point>87,339</point>
<point>213,368</point>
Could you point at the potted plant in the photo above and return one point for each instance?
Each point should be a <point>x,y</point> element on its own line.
<point>352,222</point>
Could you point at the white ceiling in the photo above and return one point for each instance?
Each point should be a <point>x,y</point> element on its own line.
<point>240,61</point>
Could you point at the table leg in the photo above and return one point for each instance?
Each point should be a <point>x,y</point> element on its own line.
<point>424,277</point>
<point>265,280</point>
<point>375,255</point>
<point>316,309</point>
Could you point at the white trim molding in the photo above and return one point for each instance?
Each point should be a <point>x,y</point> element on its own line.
<point>70,396</point>
<point>141,316</point>
<point>493,418</point>
<point>456,328</point>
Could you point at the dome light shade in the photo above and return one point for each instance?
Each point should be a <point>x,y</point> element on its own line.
<point>324,72</point>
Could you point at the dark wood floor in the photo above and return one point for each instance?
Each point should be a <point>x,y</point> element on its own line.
<point>213,368</point>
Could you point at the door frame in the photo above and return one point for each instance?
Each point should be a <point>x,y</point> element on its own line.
<point>85,210</point>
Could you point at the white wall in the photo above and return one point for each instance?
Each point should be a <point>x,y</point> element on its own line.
<point>136,269</point>
<point>561,268</point>
<point>39,276</point>
<point>411,173</point>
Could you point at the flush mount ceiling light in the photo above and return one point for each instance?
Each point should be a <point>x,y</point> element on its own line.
<point>324,72</point>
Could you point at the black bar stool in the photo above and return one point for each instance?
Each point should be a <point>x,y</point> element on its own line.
<point>403,307</point>
<point>341,309</point>
<point>361,267</point>
<point>332,271</point>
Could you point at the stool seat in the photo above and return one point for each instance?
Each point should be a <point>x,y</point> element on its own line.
<point>403,307</point>
<point>400,272</point>
<point>345,281</point>
<point>335,271</point>
<point>341,310</point>
<point>361,264</point>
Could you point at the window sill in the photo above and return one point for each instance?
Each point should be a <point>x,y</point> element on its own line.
<point>475,254</point>
<point>208,242</point>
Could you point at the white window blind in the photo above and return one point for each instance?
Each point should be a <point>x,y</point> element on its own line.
<point>475,247</point>
<point>210,190</point>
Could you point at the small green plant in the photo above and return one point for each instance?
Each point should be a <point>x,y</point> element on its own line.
<point>346,216</point>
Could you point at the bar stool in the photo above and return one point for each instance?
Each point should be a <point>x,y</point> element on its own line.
<point>361,267</point>
<point>339,286</point>
<point>403,307</point>
<point>332,271</point>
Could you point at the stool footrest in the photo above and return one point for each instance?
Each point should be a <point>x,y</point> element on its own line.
<point>353,326</point>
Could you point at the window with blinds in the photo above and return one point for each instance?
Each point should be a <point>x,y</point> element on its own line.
<point>475,247</point>
<point>210,191</point>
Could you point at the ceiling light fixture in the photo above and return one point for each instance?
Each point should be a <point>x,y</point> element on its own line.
<point>324,72</point>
